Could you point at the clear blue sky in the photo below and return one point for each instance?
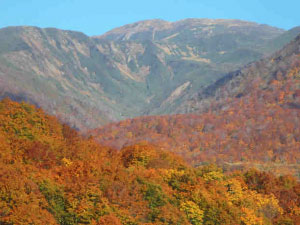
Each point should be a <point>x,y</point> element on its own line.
<point>95,17</point>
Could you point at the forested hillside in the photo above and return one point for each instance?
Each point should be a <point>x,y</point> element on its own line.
<point>251,117</point>
<point>51,175</point>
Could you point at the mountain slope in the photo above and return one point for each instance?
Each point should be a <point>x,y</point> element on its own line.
<point>251,118</point>
<point>237,84</point>
<point>64,73</point>
<point>284,38</point>
<point>187,101</point>
<point>90,81</point>
<point>51,175</point>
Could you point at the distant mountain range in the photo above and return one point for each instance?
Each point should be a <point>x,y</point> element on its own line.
<point>145,68</point>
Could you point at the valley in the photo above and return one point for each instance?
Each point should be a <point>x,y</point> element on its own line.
<point>189,122</point>
<point>145,68</point>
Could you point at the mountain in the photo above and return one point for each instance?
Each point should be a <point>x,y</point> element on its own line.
<point>238,83</point>
<point>62,72</point>
<point>248,118</point>
<point>135,70</point>
<point>189,102</point>
<point>284,38</point>
<point>49,174</point>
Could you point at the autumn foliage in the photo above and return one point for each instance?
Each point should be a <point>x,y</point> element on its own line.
<point>260,127</point>
<point>49,174</point>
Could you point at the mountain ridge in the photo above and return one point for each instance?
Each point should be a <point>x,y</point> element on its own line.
<point>158,24</point>
<point>71,75</point>
<point>289,50</point>
<point>247,118</point>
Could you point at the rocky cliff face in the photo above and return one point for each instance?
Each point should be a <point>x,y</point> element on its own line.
<point>138,69</point>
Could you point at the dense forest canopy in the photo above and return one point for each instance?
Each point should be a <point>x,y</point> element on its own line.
<point>258,127</point>
<point>52,175</point>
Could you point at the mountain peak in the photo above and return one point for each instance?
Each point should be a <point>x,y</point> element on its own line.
<point>158,29</point>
